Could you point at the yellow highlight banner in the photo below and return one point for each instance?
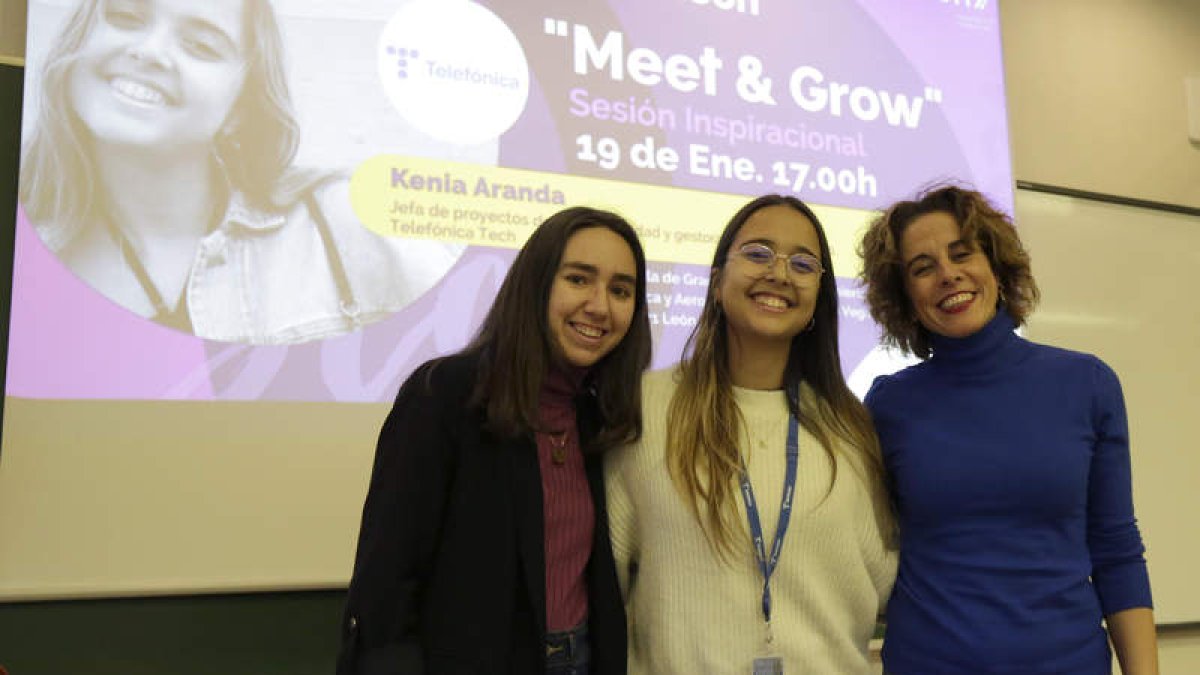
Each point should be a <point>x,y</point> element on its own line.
<point>415,197</point>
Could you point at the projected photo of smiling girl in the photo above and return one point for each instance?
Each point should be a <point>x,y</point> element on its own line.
<point>159,169</point>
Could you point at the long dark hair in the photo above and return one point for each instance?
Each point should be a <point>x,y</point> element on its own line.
<point>515,346</point>
<point>704,424</point>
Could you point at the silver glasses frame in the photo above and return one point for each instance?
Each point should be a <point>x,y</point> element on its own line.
<point>743,254</point>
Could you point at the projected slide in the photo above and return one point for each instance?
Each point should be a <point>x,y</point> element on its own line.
<point>304,199</point>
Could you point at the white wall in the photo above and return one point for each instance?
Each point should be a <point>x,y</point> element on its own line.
<point>1096,95</point>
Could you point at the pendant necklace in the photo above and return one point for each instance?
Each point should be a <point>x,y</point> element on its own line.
<point>558,446</point>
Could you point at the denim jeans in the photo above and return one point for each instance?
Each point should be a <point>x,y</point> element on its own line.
<point>568,652</point>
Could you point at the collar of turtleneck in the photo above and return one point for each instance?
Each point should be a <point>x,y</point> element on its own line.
<point>988,350</point>
<point>561,386</point>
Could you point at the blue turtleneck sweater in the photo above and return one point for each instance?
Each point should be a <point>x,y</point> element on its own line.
<point>1009,463</point>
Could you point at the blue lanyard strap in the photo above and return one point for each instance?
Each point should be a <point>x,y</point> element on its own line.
<point>767,565</point>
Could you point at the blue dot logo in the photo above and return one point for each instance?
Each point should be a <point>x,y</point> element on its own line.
<point>402,57</point>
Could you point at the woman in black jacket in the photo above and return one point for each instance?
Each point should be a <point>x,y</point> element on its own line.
<point>484,544</point>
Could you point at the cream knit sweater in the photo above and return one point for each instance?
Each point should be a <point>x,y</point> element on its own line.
<point>691,614</point>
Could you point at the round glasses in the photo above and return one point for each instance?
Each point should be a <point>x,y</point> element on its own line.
<point>801,265</point>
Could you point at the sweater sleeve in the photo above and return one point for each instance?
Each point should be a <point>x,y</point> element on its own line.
<point>883,564</point>
<point>875,395</point>
<point>621,516</point>
<point>876,402</point>
<point>1114,542</point>
<point>881,555</point>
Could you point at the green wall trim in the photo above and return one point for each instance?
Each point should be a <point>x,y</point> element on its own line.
<point>293,633</point>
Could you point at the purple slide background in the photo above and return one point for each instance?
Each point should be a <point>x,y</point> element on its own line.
<point>68,341</point>
<point>877,43</point>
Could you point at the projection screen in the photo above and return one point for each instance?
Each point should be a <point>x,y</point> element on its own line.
<point>244,222</point>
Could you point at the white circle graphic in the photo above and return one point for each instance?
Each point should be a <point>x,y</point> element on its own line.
<point>453,70</point>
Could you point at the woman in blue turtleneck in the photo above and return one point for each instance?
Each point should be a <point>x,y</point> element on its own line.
<point>1008,460</point>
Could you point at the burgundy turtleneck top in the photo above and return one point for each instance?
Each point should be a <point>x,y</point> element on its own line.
<point>567,508</point>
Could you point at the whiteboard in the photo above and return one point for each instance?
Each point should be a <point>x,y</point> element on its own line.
<point>1121,282</point>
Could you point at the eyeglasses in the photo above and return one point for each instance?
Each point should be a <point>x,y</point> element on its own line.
<point>802,265</point>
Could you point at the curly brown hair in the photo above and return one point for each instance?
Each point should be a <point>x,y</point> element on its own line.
<point>980,222</point>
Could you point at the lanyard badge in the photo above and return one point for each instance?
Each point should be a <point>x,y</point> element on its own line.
<point>768,665</point>
<point>766,564</point>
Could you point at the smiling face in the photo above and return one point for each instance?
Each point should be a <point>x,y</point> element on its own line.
<point>769,304</point>
<point>949,281</point>
<point>592,299</point>
<point>162,73</point>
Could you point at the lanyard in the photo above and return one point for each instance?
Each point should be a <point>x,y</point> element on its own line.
<point>767,565</point>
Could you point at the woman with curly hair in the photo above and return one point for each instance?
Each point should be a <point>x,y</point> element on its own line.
<point>750,523</point>
<point>1009,461</point>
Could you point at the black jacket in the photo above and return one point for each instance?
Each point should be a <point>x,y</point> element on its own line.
<point>450,572</point>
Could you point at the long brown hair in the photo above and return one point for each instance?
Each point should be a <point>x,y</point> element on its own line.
<point>704,423</point>
<point>514,341</point>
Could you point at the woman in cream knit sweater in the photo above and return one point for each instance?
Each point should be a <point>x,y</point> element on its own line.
<point>761,389</point>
